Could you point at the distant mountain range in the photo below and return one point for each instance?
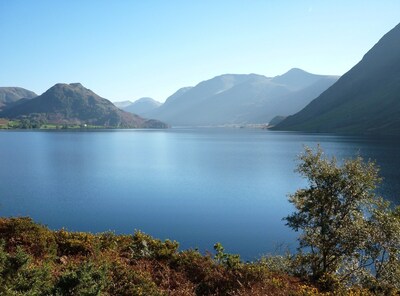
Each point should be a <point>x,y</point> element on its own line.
<point>122,104</point>
<point>241,99</point>
<point>366,100</point>
<point>222,100</point>
<point>9,95</point>
<point>141,106</point>
<point>75,104</point>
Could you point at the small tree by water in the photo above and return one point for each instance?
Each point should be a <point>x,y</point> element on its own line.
<point>349,235</point>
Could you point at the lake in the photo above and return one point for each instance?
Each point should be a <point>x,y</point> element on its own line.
<point>196,186</point>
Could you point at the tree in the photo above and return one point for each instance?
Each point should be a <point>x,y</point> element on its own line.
<point>346,228</point>
<point>382,250</point>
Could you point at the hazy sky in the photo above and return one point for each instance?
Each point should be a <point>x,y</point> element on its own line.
<point>130,49</point>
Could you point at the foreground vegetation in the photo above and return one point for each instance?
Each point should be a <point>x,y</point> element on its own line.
<point>349,236</point>
<point>349,245</point>
<point>37,261</point>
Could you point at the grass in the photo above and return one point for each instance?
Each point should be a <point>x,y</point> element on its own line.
<point>17,124</point>
<point>6,124</point>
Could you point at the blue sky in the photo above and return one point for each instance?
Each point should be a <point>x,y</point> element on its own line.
<point>131,49</point>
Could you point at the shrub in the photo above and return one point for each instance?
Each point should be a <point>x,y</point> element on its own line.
<point>18,276</point>
<point>277,263</point>
<point>75,243</point>
<point>129,282</point>
<point>36,239</point>
<point>144,246</point>
<point>86,279</point>
<point>230,261</point>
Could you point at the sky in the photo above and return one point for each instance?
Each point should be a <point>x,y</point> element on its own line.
<point>124,50</point>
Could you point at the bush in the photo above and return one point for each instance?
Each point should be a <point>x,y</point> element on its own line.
<point>86,279</point>
<point>144,246</point>
<point>36,239</point>
<point>18,276</point>
<point>230,261</point>
<point>278,263</point>
<point>109,264</point>
<point>129,282</point>
<point>75,243</point>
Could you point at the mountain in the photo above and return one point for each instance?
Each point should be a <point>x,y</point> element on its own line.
<point>9,95</point>
<point>365,100</point>
<point>241,98</point>
<point>122,104</point>
<point>277,119</point>
<point>294,101</point>
<point>142,106</point>
<point>178,93</point>
<point>297,79</point>
<point>75,104</point>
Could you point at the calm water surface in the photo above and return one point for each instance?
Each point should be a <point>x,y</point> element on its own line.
<point>196,186</point>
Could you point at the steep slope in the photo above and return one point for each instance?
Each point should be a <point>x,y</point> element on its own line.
<point>9,95</point>
<point>238,99</point>
<point>75,104</point>
<point>142,106</point>
<point>366,100</point>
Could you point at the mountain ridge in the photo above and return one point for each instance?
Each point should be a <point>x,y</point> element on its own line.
<point>238,99</point>
<point>122,104</point>
<point>142,106</point>
<point>10,95</point>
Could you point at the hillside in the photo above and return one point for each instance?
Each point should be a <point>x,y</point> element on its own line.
<point>240,99</point>
<point>9,95</point>
<point>142,106</point>
<point>366,100</point>
<point>75,104</point>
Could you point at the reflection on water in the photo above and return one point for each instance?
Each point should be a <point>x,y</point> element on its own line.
<point>197,186</point>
